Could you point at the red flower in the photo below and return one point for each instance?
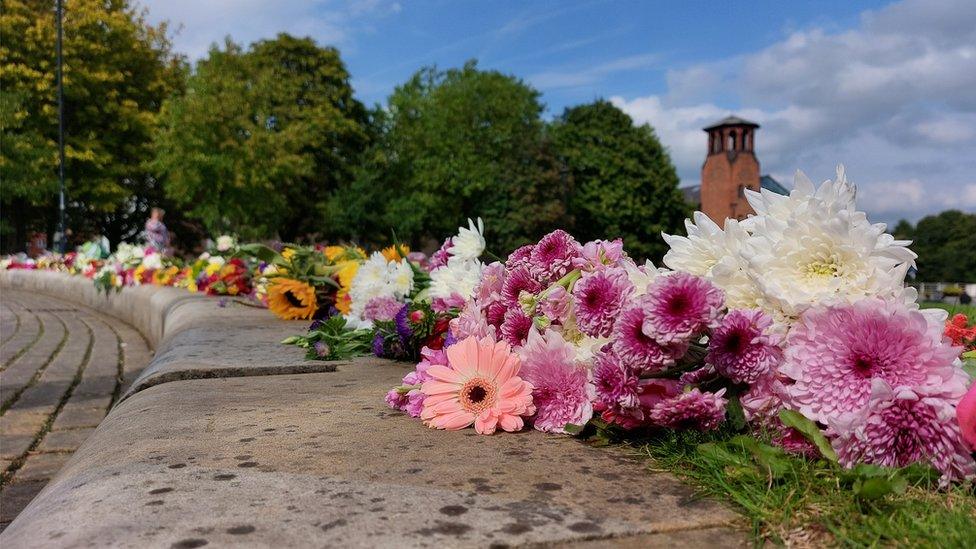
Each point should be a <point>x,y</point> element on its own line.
<point>957,331</point>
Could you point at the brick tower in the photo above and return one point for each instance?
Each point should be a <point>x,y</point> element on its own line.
<point>730,167</point>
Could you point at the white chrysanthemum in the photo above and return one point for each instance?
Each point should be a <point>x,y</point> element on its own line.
<point>153,261</point>
<point>401,278</point>
<point>216,260</point>
<point>457,277</point>
<point>469,243</point>
<point>375,278</point>
<point>225,242</point>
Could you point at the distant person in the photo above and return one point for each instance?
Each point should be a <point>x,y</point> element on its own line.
<point>157,235</point>
<point>965,299</point>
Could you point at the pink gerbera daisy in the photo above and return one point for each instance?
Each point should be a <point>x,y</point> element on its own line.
<point>480,386</point>
<point>680,306</point>
<point>638,350</point>
<point>901,426</point>
<point>834,354</point>
<point>741,349</point>
<point>562,392</point>
<point>554,256</point>
<point>599,297</point>
<point>691,410</point>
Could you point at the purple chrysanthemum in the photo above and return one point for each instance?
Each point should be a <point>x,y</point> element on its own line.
<point>561,392</point>
<point>378,345</point>
<point>680,306</point>
<point>322,349</point>
<point>519,280</point>
<point>554,256</point>
<point>741,349</point>
<point>691,410</point>
<point>638,350</point>
<point>516,326</point>
<point>599,297</point>
<point>520,257</point>
<point>402,322</point>
<point>901,426</point>
<point>382,308</point>
<point>835,353</point>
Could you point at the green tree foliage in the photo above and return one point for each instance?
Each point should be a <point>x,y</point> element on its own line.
<point>262,137</point>
<point>455,144</point>
<point>945,245</point>
<point>117,71</point>
<point>625,182</point>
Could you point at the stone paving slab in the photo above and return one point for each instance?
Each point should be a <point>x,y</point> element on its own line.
<point>318,459</point>
<point>40,466</point>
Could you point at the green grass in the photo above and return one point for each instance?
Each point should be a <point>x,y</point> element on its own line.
<point>798,502</point>
<point>968,310</point>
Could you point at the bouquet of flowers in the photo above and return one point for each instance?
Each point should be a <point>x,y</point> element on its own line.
<point>794,322</point>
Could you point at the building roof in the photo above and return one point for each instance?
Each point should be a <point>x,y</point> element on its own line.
<point>692,193</point>
<point>730,121</point>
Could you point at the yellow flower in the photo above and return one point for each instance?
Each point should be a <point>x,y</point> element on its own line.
<point>291,299</point>
<point>392,253</point>
<point>287,253</point>
<point>345,274</point>
<point>212,268</point>
<point>333,252</point>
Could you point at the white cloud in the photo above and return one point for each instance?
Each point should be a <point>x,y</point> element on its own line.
<point>893,99</point>
<point>581,77</point>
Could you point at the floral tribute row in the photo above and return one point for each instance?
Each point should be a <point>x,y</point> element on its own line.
<point>795,323</point>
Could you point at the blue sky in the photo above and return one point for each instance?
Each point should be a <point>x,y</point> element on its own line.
<point>886,88</point>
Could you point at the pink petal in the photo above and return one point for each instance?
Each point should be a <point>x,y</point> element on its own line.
<point>444,373</point>
<point>511,423</point>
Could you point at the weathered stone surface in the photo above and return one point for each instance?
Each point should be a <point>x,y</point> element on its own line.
<point>327,464</point>
<point>15,497</point>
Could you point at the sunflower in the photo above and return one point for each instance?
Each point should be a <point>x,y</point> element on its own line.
<point>291,299</point>
<point>333,252</point>
<point>345,274</point>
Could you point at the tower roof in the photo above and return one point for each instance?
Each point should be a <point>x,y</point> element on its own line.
<point>730,121</point>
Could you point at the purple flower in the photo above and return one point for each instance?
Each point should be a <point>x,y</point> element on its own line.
<point>635,348</point>
<point>519,280</point>
<point>415,403</point>
<point>495,313</point>
<point>516,326</point>
<point>562,392</point>
<point>378,347</point>
<point>621,396</point>
<point>901,426</point>
<point>396,400</point>
<point>680,306</point>
<point>599,297</point>
<point>554,256</point>
<point>402,322</point>
<point>834,354</point>
<point>321,349</point>
<point>741,349</point>
<point>382,308</point>
<point>691,410</point>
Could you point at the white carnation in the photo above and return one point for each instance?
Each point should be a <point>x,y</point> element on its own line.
<point>225,242</point>
<point>457,277</point>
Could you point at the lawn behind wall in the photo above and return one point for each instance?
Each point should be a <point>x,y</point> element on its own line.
<point>800,502</point>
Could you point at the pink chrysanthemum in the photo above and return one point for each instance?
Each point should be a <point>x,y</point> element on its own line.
<point>491,284</point>
<point>440,257</point>
<point>622,397</point>
<point>680,306</point>
<point>382,308</point>
<point>554,256</point>
<point>833,355</point>
<point>557,305</point>
<point>519,258</point>
<point>599,297</point>
<point>741,348</point>
<point>600,253</point>
<point>691,410</point>
<point>694,377</point>
<point>472,322</point>
<point>481,387</point>
<point>562,392</point>
<point>516,326</point>
<point>519,280</point>
<point>635,348</point>
<point>495,313</point>
<point>966,416</point>
<point>794,442</point>
<point>901,426</point>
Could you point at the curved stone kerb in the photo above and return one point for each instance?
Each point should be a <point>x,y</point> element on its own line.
<point>195,336</point>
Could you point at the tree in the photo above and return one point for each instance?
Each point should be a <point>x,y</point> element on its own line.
<point>117,71</point>
<point>625,183</point>
<point>262,137</point>
<point>462,143</point>
<point>944,244</point>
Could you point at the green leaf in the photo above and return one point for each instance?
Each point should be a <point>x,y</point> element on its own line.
<point>874,488</point>
<point>573,429</point>
<point>260,251</point>
<point>809,430</point>
<point>969,363</point>
<point>737,416</point>
<point>293,340</point>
